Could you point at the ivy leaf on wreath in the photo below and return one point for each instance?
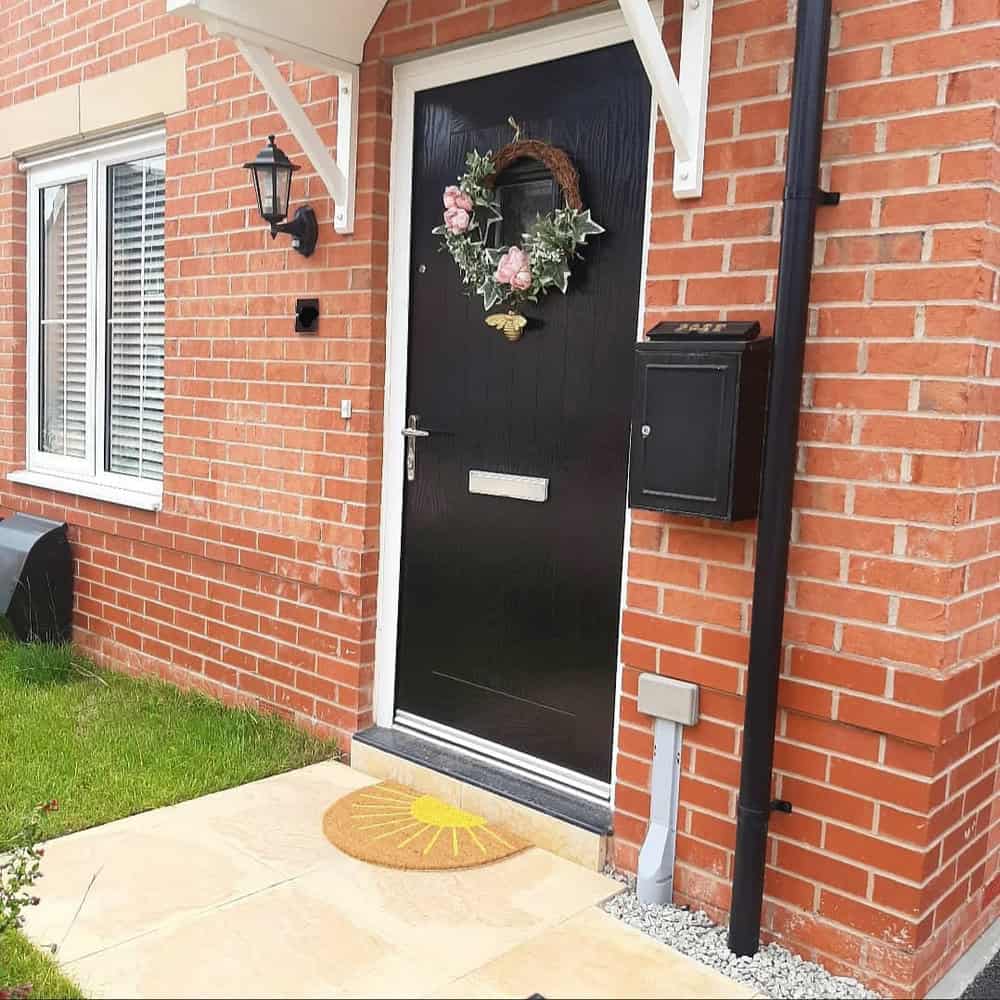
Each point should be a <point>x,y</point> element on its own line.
<point>552,243</point>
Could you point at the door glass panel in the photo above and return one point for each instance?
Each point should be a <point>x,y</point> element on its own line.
<point>526,190</point>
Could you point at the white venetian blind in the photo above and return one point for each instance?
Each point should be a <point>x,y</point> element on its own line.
<point>63,319</point>
<point>135,318</point>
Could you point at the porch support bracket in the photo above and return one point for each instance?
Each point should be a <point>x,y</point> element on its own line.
<point>340,174</point>
<point>683,102</point>
<point>255,45</point>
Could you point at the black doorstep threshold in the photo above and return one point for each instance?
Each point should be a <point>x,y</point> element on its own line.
<point>433,755</point>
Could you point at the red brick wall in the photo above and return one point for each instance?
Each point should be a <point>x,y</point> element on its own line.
<point>257,580</point>
<point>887,733</point>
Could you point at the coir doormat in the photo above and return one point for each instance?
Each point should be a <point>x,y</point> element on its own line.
<point>395,826</point>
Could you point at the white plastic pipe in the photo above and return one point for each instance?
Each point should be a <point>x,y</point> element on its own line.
<point>655,881</point>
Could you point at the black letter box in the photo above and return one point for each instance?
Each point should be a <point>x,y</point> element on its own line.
<point>36,579</point>
<point>698,418</point>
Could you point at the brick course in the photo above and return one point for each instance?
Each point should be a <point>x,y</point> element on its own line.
<point>257,580</point>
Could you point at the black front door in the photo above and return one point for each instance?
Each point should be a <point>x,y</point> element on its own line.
<point>509,609</point>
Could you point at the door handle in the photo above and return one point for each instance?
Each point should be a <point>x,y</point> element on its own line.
<point>411,432</point>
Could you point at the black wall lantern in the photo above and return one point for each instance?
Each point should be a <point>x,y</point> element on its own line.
<point>272,171</point>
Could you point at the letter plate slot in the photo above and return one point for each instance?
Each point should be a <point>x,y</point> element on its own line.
<point>498,484</point>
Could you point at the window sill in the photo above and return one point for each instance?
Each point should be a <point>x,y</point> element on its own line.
<point>138,499</point>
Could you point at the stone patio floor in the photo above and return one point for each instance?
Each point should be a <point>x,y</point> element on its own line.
<point>238,894</point>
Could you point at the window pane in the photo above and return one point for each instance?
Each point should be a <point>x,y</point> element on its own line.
<point>63,321</point>
<point>135,318</point>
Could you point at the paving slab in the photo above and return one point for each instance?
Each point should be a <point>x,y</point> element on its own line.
<point>239,894</point>
<point>593,955</point>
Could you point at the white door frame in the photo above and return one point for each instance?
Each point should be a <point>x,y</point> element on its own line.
<point>582,34</point>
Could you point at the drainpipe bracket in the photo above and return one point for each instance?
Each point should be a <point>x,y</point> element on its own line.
<point>781,806</point>
<point>754,816</point>
<point>819,196</point>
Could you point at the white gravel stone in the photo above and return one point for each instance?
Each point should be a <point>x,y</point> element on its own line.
<point>773,971</point>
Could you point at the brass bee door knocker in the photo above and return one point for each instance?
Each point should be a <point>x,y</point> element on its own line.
<point>510,324</point>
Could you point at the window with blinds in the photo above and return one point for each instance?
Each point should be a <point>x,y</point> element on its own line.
<point>96,304</point>
<point>135,319</point>
<point>63,320</point>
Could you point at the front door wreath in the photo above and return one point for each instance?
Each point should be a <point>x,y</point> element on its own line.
<point>512,275</point>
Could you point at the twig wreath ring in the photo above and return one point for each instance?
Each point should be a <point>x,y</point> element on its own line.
<point>512,275</point>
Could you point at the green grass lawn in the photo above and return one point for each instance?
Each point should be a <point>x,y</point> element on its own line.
<point>106,745</point>
<point>21,962</point>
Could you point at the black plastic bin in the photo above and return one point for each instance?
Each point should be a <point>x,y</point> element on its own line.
<point>36,579</point>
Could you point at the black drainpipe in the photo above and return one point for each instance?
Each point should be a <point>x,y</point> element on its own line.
<point>802,195</point>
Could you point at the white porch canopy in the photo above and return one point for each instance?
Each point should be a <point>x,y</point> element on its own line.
<point>331,34</point>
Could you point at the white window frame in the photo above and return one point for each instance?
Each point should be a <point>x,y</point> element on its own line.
<point>82,476</point>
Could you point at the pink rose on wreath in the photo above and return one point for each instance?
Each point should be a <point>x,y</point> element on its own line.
<point>514,269</point>
<point>457,221</point>
<point>455,197</point>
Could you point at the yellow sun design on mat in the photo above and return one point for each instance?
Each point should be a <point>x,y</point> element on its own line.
<point>393,825</point>
<point>388,812</point>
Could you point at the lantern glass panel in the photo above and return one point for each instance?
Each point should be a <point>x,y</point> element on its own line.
<point>274,184</point>
<point>255,174</point>
<point>265,178</point>
<point>283,190</point>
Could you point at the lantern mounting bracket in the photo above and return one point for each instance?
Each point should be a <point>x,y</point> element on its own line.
<point>683,102</point>
<point>302,229</point>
